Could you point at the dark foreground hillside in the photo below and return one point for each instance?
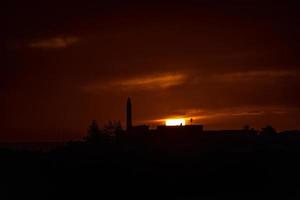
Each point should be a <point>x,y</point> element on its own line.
<point>249,167</point>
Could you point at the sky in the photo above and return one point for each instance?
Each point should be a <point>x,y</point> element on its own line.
<point>226,65</point>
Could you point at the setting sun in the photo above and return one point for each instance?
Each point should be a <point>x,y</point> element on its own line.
<point>175,122</point>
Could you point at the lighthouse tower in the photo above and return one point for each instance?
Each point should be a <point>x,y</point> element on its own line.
<point>129,114</point>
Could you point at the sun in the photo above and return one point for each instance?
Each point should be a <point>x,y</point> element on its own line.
<point>175,122</point>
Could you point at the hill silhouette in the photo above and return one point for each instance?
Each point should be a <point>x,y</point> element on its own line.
<point>145,164</point>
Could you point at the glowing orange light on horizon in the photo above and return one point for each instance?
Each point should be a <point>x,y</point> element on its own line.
<point>175,122</point>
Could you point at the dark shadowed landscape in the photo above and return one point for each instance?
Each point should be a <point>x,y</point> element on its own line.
<point>170,163</point>
<point>212,90</point>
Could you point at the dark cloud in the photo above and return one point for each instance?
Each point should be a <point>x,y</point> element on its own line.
<point>64,64</point>
<point>54,43</point>
<point>153,82</point>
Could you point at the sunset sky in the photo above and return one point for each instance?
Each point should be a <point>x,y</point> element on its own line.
<point>225,65</point>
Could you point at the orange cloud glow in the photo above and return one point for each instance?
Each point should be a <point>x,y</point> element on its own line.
<point>256,75</point>
<point>201,115</point>
<point>54,43</point>
<point>157,81</point>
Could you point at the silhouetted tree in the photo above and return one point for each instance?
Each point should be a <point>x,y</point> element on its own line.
<point>112,127</point>
<point>118,126</point>
<point>268,131</point>
<point>250,129</point>
<point>93,132</point>
<point>246,128</point>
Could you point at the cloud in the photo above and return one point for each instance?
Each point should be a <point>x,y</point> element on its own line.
<point>54,43</point>
<point>212,114</point>
<point>156,81</point>
<point>237,111</point>
<point>256,75</point>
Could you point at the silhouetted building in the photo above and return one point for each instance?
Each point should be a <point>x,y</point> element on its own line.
<point>290,133</point>
<point>129,114</point>
<point>183,132</point>
<point>141,128</point>
<point>186,128</point>
<point>138,131</point>
<point>238,132</point>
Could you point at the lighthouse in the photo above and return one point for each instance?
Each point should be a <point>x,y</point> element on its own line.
<point>129,114</point>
